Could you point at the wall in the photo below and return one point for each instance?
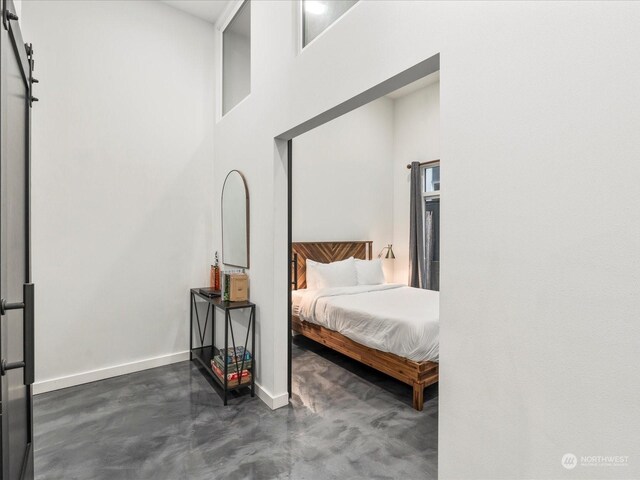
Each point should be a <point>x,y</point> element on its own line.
<point>343,179</point>
<point>416,123</point>
<point>18,5</point>
<point>350,177</point>
<point>538,306</point>
<point>122,184</point>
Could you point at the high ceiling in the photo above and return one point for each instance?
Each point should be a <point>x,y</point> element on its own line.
<point>209,10</point>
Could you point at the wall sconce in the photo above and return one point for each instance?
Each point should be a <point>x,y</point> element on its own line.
<point>389,253</point>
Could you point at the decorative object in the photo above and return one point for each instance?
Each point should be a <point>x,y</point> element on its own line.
<point>239,287</point>
<point>225,286</point>
<point>216,273</point>
<point>235,221</point>
<point>389,255</point>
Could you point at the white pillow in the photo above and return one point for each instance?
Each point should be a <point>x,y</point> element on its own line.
<point>336,274</point>
<point>312,276</point>
<point>369,272</point>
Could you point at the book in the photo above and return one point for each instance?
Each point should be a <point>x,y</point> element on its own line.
<point>233,366</point>
<point>236,354</point>
<point>234,383</point>
<point>210,292</point>
<point>233,376</point>
<point>226,281</point>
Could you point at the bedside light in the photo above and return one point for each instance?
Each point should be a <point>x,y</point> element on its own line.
<point>389,253</point>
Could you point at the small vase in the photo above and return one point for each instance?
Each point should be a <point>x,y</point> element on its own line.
<point>216,278</point>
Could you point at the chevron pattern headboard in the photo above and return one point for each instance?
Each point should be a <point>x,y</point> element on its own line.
<point>326,252</point>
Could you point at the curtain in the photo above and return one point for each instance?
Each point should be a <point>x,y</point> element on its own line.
<point>417,264</point>
<point>431,281</point>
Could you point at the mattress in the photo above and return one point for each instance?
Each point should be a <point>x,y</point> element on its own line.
<point>392,318</point>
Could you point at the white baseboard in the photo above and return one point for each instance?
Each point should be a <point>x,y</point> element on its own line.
<point>273,402</point>
<point>108,372</point>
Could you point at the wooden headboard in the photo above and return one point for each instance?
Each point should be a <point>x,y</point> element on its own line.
<point>324,252</point>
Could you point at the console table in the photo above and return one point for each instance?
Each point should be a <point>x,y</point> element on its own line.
<point>204,352</point>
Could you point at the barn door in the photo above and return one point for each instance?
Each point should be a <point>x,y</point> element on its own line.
<point>16,291</point>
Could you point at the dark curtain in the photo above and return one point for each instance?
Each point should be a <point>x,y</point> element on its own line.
<point>417,264</point>
<point>432,243</point>
<point>429,249</point>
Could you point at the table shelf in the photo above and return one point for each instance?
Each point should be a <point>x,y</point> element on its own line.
<point>203,354</point>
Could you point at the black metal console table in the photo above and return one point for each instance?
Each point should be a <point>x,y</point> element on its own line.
<point>204,354</point>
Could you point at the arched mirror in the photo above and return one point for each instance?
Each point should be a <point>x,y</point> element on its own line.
<point>235,221</point>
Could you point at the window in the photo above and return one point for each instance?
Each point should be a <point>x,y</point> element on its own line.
<point>431,196</point>
<point>318,15</point>
<point>236,58</point>
<point>431,178</point>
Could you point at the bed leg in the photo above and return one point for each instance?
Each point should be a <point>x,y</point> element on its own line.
<point>418,396</point>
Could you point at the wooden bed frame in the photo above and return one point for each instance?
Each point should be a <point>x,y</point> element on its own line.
<point>417,374</point>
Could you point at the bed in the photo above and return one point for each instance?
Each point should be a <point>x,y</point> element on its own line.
<point>391,328</point>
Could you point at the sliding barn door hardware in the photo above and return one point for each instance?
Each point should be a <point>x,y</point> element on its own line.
<point>27,305</point>
<point>5,306</point>
<point>7,17</point>
<point>4,366</point>
<point>32,64</point>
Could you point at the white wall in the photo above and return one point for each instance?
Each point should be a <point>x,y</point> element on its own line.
<point>416,123</point>
<point>539,301</point>
<point>18,5</point>
<point>343,179</point>
<point>350,177</point>
<point>122,183</point>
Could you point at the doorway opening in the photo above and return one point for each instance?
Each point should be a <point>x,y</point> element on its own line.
<point>400,85</point>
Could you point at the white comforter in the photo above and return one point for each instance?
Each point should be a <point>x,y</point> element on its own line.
<point>392,318</point>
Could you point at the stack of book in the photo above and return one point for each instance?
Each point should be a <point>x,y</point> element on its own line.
<point>238,372</point>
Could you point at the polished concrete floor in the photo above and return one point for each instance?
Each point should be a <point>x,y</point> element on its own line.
<point>345,421</point>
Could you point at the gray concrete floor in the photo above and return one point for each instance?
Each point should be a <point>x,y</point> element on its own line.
<point>345,421</point>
